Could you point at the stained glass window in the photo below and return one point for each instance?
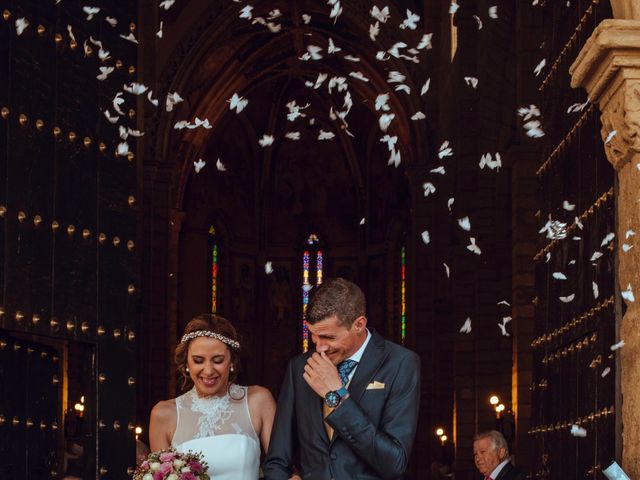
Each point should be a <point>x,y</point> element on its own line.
<point>213,270</point>
<point>311,276</point>
<point>403,294</point>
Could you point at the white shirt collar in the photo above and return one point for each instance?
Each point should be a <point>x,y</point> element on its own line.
<point>498,469</point>
<point>358,355</point>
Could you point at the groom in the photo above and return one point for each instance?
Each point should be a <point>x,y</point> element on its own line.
<point>349,409</point>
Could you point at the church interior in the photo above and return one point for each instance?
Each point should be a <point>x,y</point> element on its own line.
<point>473,165</point>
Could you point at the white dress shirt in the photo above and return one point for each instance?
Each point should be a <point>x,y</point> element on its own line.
<point>358,355</point>
<point>498,469</point>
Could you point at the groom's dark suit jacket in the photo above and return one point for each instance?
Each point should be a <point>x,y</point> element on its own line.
<point>374,427</point>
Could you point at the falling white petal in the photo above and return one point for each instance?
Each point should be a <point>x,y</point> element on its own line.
<point>466,327</point>
<point>617,346</point>
<point>568,298</point>
<point>472,247</point>
<point>199,165</point>
<point>628,294</point>
<point>465,224</point>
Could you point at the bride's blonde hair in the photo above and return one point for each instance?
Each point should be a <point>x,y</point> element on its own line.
<point>210,323</point>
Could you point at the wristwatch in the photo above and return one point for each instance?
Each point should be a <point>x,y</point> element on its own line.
<point>333,397</point>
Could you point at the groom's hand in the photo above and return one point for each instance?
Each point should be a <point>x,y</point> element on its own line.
<point>321,374</point>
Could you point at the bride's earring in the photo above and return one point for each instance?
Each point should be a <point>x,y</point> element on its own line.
<point>186,369</point>
<point>231,368</point>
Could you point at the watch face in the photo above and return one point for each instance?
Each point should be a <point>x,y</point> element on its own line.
<point>332,399</point>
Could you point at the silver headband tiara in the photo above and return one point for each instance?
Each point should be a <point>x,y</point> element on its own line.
<point>206,333</point>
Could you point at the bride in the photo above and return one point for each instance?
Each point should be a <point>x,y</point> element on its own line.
<point>224,421</point>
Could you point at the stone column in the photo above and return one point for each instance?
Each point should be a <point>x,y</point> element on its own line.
<point>608,68</point>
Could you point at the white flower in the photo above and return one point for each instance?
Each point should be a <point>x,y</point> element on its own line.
<point>173,476</point>
<point>154,466</point>
<point>147,476</point>
<point>178,463</point>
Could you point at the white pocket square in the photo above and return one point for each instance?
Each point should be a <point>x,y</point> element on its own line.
<point>375,385</point>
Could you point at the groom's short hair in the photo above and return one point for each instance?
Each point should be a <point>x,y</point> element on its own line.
<point>338,297</point>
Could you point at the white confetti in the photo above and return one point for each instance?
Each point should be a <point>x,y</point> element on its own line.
<point>464,223</point>
<point>21,25</point>
<point>425,87</point>
<point>605,372</point>
<point>493,12</point>
<point>325,135</point>
<point>135,88</point>
<point>596,292</point>
<point>91,11</point>
<point>220,166</point>
<point>445,150</point>
<point>568,298</point>
<point>559,276</point>
<point>268,268</point>
<point>471,81</point>
<point>617,346</point>
<point>472,247</point>
<point>292,135</point>
<point>610,137</point>
<point>447,271</point>
<point>266,140</point>
<point>199,165</point>
<point>429,188</point>
<point>410,21</point>
<point>425,237</point>
<point>466,327</point>
<point>382,15</point>
<point>578,431</point>
<point>568,206</point>
<point>607,239</point>
<point>628,294</point>
<point>540,66</point>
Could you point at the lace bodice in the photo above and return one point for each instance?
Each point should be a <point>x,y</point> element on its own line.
<point>221,429</point>
<point>201,417</point>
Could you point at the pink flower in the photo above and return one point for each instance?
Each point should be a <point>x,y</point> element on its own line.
<point>167,457</point>
<point>188,476</point>
<point>158,476</point>
<point>145,465</point>
<point>195,466</point>
<point>166,468</point>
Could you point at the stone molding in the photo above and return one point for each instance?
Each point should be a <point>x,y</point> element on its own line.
<point>608,68</point>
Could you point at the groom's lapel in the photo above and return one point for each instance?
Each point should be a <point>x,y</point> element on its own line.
<point>372,358</point>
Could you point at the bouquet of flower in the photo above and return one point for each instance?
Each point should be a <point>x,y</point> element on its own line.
<point>172,465</point>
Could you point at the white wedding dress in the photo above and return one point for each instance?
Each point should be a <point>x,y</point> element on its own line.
<point>220,428</point>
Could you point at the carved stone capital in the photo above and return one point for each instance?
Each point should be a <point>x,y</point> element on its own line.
<point>608,68</point>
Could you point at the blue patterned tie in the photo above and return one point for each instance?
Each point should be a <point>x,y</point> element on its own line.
<point>345,368</point>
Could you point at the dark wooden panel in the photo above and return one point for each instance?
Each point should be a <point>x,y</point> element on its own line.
<point>62,287</point>
<point>571,350</point>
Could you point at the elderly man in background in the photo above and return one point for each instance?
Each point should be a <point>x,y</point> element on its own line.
<point>491,456</point>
